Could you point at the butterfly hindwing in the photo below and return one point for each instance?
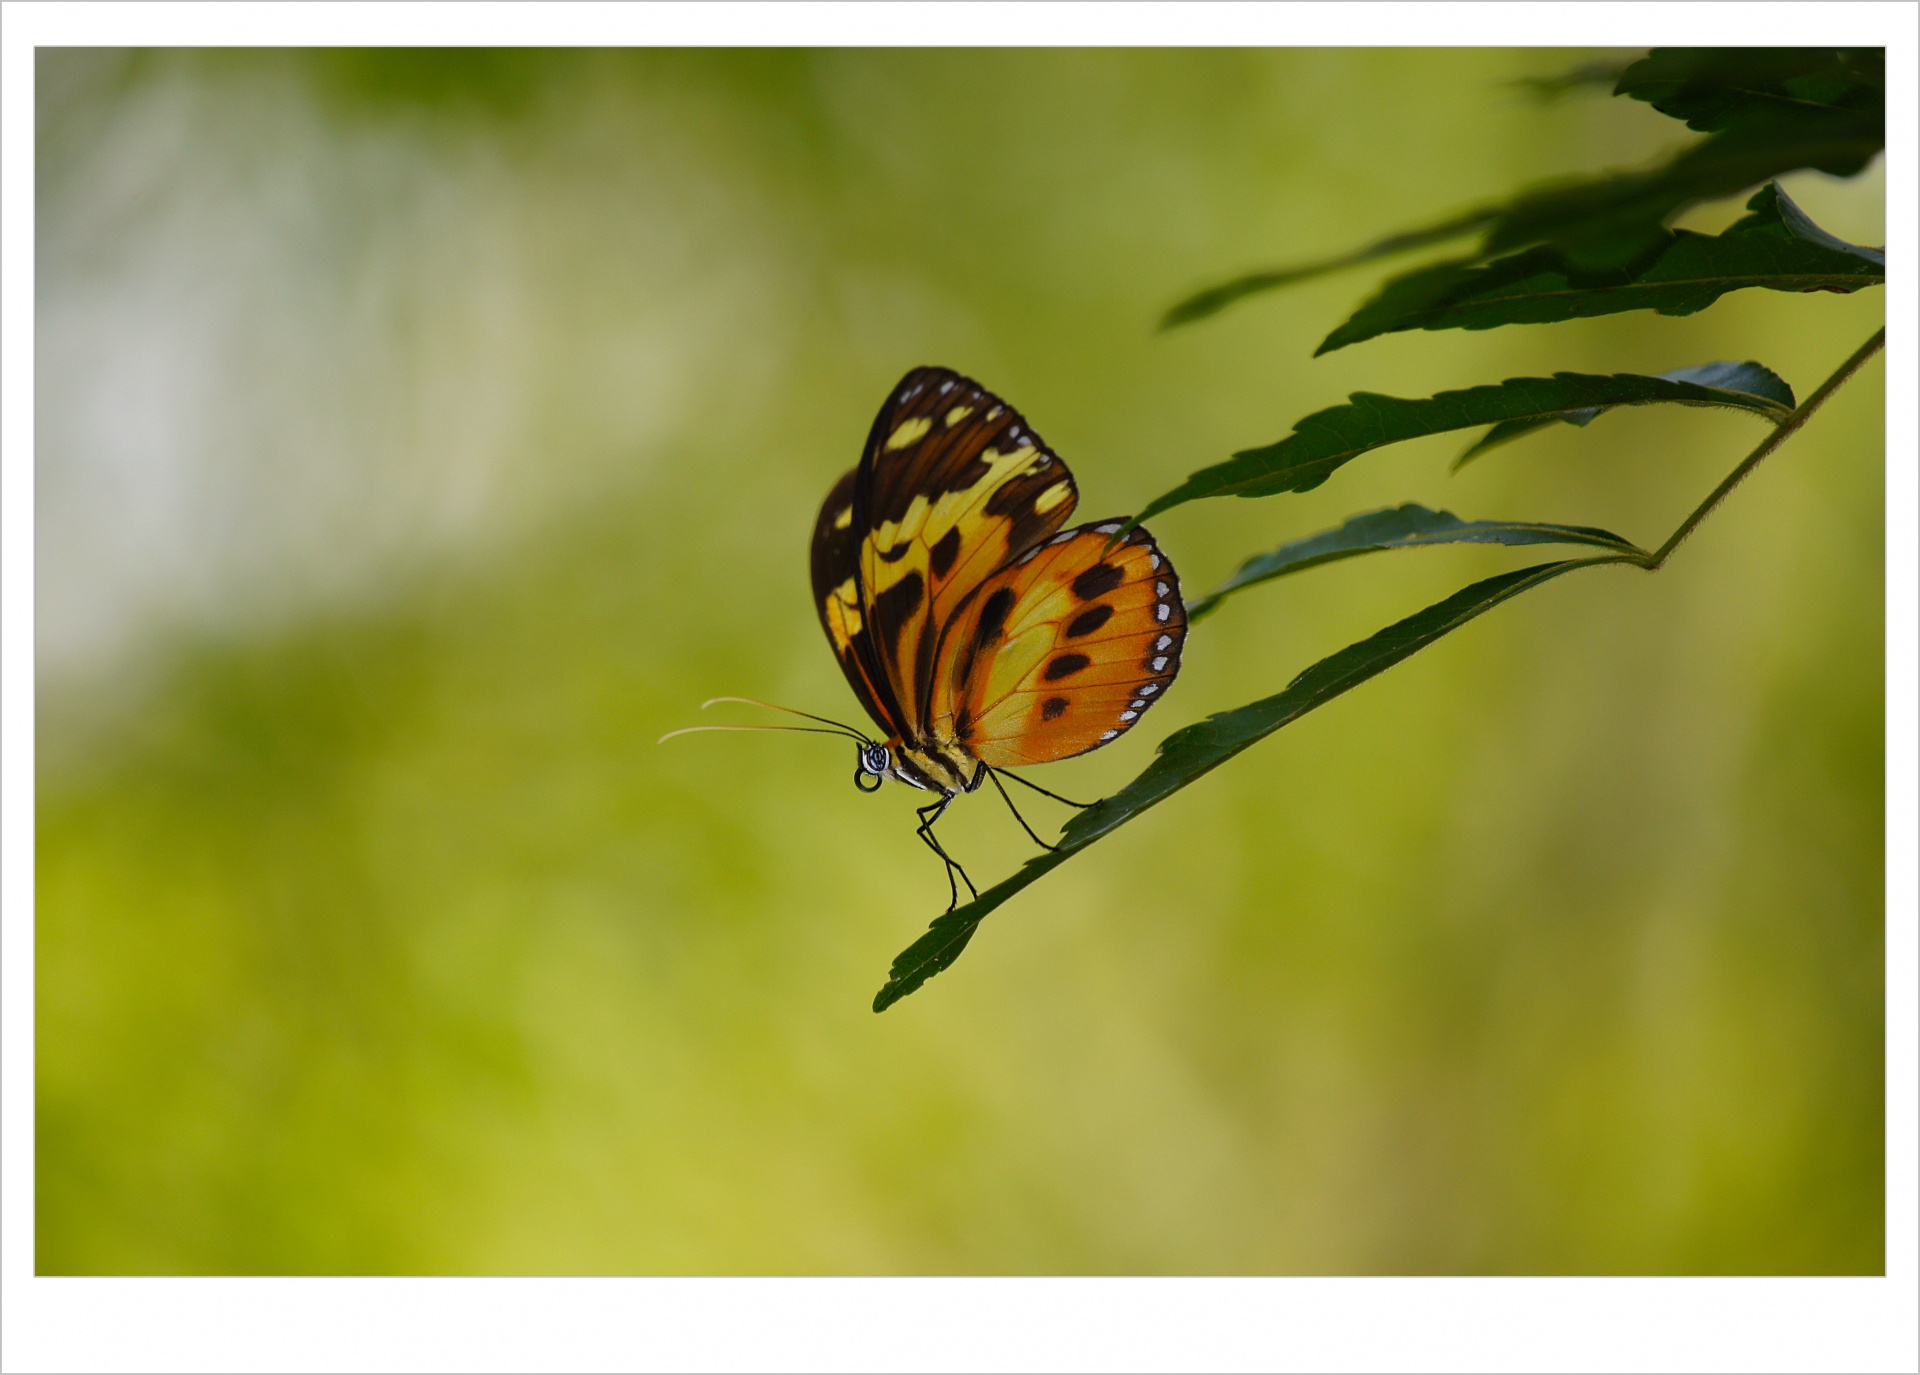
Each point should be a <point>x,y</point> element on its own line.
<point>953,485</point>
<point>1062,651</point>
<point>836,596</point>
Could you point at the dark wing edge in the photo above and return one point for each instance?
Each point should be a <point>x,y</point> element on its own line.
<point>837,598</point>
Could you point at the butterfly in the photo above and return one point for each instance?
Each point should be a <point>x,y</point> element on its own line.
<point>977,631</point>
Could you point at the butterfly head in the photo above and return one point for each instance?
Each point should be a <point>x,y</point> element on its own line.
<point>876,762</point>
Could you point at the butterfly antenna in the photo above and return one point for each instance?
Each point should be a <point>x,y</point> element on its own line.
<point>802,730</point>
<point>774,706</point>
<point>1001,789</point>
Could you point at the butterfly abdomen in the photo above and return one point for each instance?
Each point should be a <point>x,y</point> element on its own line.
<point>939,766</point>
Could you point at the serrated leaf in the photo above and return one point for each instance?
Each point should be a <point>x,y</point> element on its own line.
<point>1409,526</point>
<point>1325,440</point>
<point>1776,247</point>
<point>1751,378</point>
<point>1198,749</point>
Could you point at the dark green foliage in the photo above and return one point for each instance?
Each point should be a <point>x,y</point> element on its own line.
<point>1591,247</point>
<point>1616,220</point>
<point>1713,89</point>
<point>1399,527</point>
<point>1204,746</point>
<point>1766,112</point>
<point>1776,247</point>
<point>1750,378</point>
<point>1326,440</point>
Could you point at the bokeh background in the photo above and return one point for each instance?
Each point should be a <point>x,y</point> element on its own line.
<point>420,435</point>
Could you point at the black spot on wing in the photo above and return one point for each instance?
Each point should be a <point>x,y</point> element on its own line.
<point>945,552</point>
<point>993,616</point>
<point>1089,621</point>
<point>1097,581</point>
<point>1065,667</point>
<point>892,607</point>
<point>1052,707</point>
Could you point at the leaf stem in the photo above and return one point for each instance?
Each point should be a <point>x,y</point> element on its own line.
<point>1768,445</point>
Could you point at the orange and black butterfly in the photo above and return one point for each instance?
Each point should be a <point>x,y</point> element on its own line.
<point>977,632</point>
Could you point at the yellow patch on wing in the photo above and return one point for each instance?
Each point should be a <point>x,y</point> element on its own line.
<point>844,519</point>
<point>957,414</point>
<point>907,431</point>
<point>841,613</point>
<point>928,522</point>
<point>1053,496</point>
<point>1014,660</point>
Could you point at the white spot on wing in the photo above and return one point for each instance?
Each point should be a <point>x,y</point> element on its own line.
<point>1162,611</point>
<point>1109,527</point>
<point>1108,736</point>
<point>1062,537</point>
<point>1160,589</point>
<point>1128,715</point>
<point>1150,689</point>
<point>1160,664</point>
<point>1163,642</point>
<point>1153,562</point>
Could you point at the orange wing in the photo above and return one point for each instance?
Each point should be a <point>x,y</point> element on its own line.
<point>1062,651</point>
<point>954,483</point>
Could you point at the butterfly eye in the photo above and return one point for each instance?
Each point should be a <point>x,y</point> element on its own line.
<point>874,763</point>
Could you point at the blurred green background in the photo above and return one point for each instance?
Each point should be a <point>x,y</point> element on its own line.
<point>422,434</point>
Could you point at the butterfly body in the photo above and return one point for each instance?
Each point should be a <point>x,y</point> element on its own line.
<point>977,632</point>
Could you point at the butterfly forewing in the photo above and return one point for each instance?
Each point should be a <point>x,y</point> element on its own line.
<point>1062,651</point>
<point>953,485</point>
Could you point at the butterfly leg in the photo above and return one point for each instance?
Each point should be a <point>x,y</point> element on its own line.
<point>1042,791</point>
<point>995,776</point>
<point>928,815</point>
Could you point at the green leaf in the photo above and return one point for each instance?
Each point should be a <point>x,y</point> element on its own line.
<point>1399,527</point>
<point>1218,298</point>
<point>1767,112</point>
<point>1204,746</point>
<point>1776,247</point>
<point>1616,220</point>
<point>1751,378</point>
<point>1325,440</point>
<point>1715,88</point>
